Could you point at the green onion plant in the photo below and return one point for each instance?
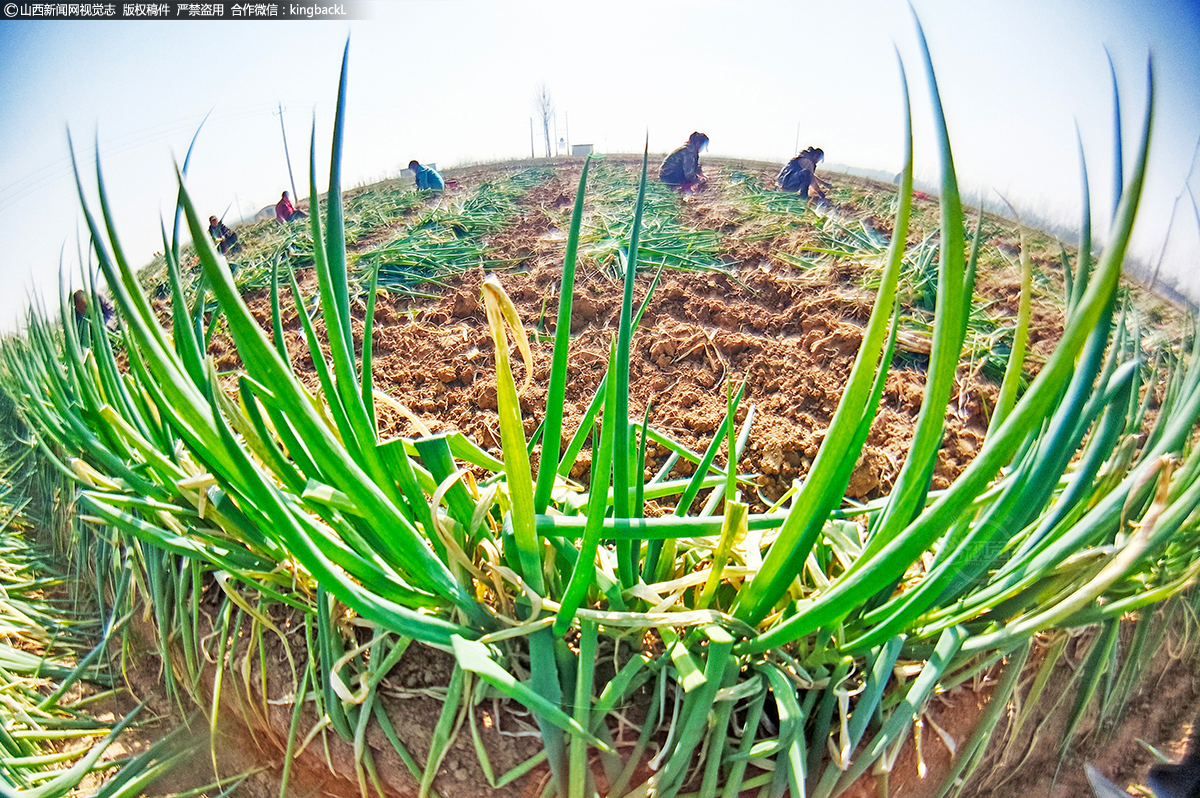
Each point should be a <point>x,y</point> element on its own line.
<point>764,644</point>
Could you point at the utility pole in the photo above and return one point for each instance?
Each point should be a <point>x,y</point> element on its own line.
<point>295,197</point>
<point>531,153</point>
<point>567,120</point>
<point>796,149</point>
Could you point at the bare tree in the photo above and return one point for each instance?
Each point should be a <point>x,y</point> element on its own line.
<point>544,105</point>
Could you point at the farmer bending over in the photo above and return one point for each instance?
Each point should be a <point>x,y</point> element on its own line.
<point>84,327</point>
<point>681,169</point>
<point>81,306</point>
<point>285,211</point>
<point>800,172</point>
<point>427,177</point>
<point>222,236</point>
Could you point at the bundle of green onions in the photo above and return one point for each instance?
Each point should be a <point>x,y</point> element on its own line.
<point>46,651</point>
<point>664,240</point>
<point>448,239</point>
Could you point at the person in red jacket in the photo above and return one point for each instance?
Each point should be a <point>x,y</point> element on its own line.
<point>286,212</point>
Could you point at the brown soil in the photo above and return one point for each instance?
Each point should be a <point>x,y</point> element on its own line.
<point>790,335</point>
<point>250,742</point>
<point>1161,713</point>
<point>257,693</point>
<point>1026,761</point>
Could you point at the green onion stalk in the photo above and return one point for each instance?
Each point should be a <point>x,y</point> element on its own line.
<point>1076,511</point>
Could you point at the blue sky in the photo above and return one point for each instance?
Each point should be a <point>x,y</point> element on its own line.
<point>451,81</point>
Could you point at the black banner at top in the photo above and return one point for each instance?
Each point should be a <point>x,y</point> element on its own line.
<point>225,10</point>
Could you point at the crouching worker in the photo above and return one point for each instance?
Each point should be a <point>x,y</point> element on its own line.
<point>82,324</point>
<point>285,211</point>
<point>222,236</point>
<point>427,177</point>
<point>801,172</point>
<point>681,169</point>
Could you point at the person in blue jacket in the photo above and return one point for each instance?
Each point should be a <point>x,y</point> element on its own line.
<point>427,177</point>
